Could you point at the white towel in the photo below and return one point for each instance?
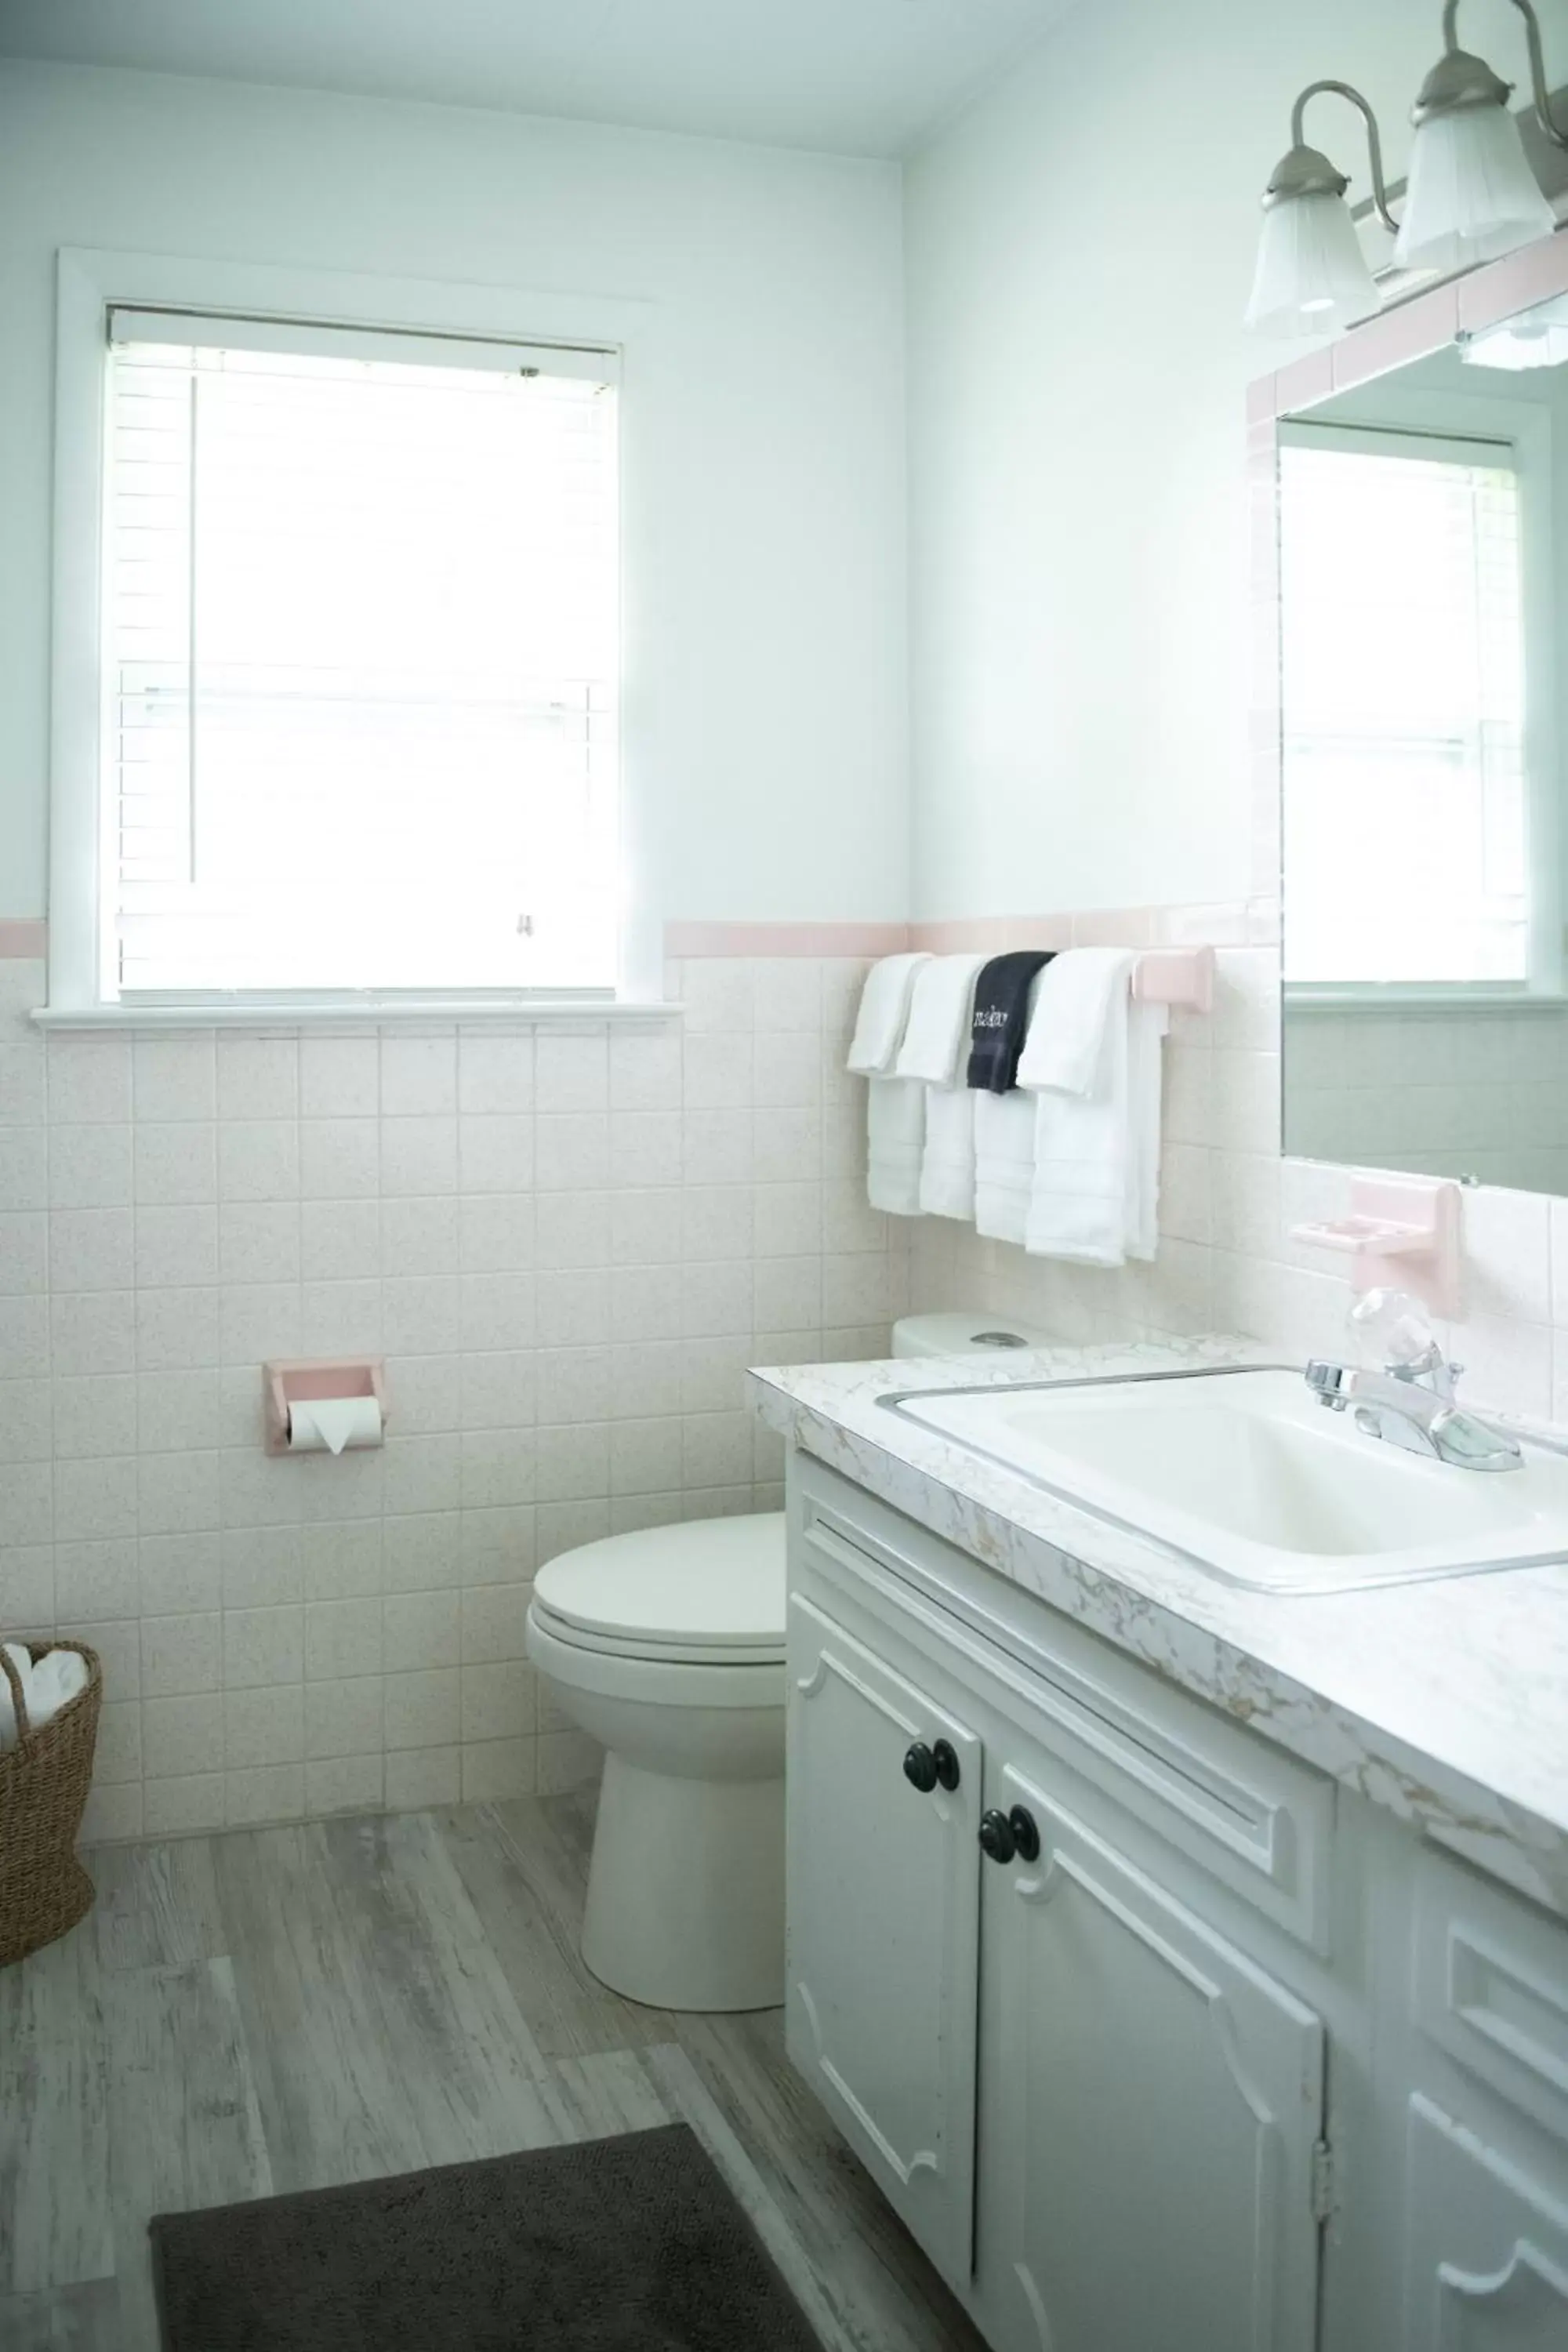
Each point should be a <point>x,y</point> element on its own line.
<point>1094,1197</point>
<point>46,1688</point>
<point>895,1138</point>
<point>936,1037</point>
<point>1073,1002</point>
<point>1003,1163</point>
<point>884,1009</point>
<point>947,1164</point>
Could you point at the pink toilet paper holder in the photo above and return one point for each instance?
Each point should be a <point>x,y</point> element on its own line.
<point>301,1380</point>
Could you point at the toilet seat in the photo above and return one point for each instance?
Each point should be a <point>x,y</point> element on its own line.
<point>687,1684</point>
<point>705,1593</point>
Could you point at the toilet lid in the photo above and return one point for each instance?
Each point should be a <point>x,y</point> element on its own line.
<point>709,1587</point>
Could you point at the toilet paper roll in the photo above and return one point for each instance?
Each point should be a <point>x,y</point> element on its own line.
<point>326,1424</point>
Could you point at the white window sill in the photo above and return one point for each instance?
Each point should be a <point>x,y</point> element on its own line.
<point>365,1012</point>
<point>1421,1000</point>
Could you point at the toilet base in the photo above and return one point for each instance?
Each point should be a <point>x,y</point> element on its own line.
<point>685,1890</point>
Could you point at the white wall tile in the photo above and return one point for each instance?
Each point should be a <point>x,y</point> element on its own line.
<point>90,1167</point>
<point>175,1078</point>
<point>91,1078</point>
<point>258,1078</point>
<point>258,1159</point>
<point>496,1153</point>
<point>24,1252</point>
<point>340,1158</point>
<point>25,1167</point>
<point>175,1164</point>
<point>419,1076</point>
<point>494,1074</point>
<point>340,1078</point>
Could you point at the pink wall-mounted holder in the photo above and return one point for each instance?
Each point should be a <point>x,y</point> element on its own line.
<point>1183,976</point>
<point>1401,1232</point>
<point>299,1380</point>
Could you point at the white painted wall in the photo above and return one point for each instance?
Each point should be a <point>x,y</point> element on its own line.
<point>768,707</point>
<point>1078,251</point>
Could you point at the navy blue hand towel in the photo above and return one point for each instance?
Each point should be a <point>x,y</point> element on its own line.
<point>1002,1018</point>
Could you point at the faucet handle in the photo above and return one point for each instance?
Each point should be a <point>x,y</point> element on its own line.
<point>1393,1327</point>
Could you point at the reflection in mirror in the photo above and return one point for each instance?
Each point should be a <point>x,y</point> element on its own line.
<point>1421,518</point>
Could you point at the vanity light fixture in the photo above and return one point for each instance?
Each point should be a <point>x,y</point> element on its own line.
<point>1472,194</point>
<point>1311,276</point>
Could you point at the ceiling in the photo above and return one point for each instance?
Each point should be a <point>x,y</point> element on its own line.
<point>859,77</point>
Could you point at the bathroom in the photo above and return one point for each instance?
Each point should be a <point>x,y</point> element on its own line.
<point>854,411</point>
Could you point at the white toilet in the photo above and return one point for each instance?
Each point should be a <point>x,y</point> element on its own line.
<point>667,1647</point>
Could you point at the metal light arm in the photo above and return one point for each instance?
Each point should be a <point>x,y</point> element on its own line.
<point>1374,145</point>
<point>1539,91</point>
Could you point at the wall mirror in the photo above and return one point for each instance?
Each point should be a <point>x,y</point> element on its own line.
<point>1424,683</point>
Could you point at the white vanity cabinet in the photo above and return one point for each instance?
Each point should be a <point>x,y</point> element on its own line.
<point>1153,2117</point>
<point>1156,2042</point>
<point>884,1922</point>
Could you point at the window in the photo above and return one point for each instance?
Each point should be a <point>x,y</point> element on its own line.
<point>360,661</point>
<point>1406,847</point>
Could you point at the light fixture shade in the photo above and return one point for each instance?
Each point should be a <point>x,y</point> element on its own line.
<point>1311,277</point>
<point>1472,193</point>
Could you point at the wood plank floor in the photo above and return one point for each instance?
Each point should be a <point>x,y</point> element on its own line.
<point>284,2009</point>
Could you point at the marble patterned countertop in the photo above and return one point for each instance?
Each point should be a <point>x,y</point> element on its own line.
<point>1446,1702</point>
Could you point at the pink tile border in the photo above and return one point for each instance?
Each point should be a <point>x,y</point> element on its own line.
<point>1412,329</point>
<point>1218,924</point>
<point>682,940</point>
<point>23,936</point>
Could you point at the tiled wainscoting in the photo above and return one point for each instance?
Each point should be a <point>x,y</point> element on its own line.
<point>567,1243</point>
<point>1228,1201</point>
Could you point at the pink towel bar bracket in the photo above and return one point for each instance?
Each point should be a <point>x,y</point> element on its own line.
<point>1175,976</point>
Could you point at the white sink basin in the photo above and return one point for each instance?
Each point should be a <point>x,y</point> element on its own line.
<point>1247,1474</point>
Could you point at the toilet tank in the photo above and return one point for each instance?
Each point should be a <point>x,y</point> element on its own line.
<point>977,1334</point>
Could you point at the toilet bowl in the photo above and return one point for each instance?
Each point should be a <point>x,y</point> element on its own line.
<point>667,1646</point>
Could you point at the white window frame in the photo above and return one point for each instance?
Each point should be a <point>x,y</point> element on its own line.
<point>1436,418</point>
<point>89,283</point>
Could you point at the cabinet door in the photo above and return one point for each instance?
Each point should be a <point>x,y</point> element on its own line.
<point>1487,2247</point>
<point>1151,2106</point>
<point>883,1902</point>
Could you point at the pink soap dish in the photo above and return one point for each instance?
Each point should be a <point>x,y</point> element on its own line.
<point>1399,1233</point>
<point>301,1380</point>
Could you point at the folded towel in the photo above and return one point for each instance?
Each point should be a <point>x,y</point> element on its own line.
<point>1003,1164</point>
<point>884,1009</point>
<point>46,1688</point>
<point>1094,1197</point>
<point>895,1138</point>
<point>936,1035</point>
<point>947,1164</point>
<point>1072,1004</point>
<point>1001,1017</point>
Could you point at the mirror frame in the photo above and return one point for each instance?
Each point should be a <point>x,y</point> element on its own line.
<point>1425,324</point>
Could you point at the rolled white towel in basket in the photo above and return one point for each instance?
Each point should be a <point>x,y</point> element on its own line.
<point>46,1688</point>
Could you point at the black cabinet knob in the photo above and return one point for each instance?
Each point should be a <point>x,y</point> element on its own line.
<point>920,1768</point>
<point>1025,1835</point>
<point>945,1759</point>
<point>997,1841</point>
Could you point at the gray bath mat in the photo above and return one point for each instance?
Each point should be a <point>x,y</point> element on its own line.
<point>631,2245</point>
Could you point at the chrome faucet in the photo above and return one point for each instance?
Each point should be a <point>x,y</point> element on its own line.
<point>1410,1404</point>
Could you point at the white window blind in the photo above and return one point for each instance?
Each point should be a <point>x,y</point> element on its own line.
<point>362,661</point>
<point>1404,693</point>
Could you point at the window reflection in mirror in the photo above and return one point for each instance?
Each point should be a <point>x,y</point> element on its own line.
<point>1420,516</point>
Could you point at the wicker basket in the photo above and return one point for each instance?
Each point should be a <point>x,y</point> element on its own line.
<point>43,1781</point>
